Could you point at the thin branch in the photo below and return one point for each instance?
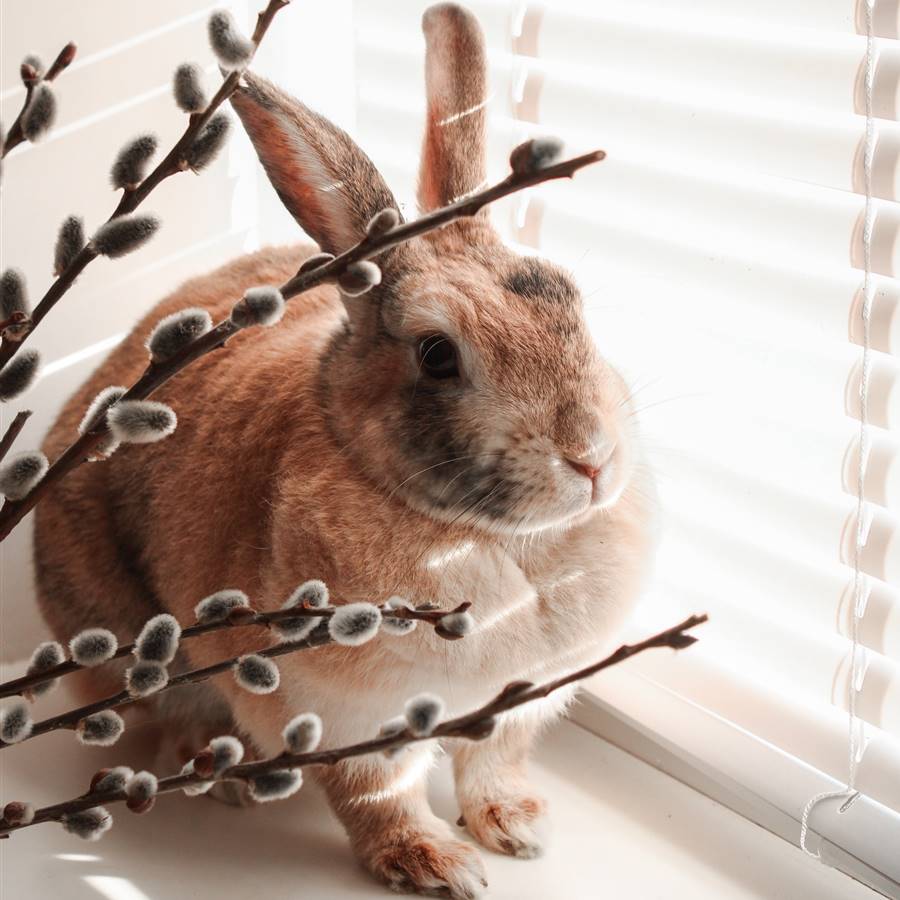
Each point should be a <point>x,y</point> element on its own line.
<point>317,638</point>
<point>241,617</point>
<point>16,136</point>
<point>158,373</point>
<point>474,725</point>
<point>175,161</point>
<point>71,718</point>
<point>17,424</point>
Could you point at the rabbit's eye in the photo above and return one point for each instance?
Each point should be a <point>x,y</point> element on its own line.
<point>437,356</point>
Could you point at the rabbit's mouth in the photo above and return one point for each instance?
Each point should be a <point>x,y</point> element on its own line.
<point>527,491</point>
<point>471,489</point>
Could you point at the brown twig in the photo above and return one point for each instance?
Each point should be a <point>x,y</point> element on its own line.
<point>31,80</point>
<point>9,437</point>
<point>473,726</point>
<point>157,374</point>
<point>174,162</point>
<point>241,617</point>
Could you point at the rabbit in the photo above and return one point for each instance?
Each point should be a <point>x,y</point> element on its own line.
<point>451,435</point>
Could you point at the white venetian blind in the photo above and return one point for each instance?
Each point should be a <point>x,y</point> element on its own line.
<point>720,250</point>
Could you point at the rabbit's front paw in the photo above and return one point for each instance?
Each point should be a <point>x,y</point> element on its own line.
<point>507,824</point>
<point>425,863</point>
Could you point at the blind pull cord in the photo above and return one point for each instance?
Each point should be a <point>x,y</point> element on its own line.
<point>856,726</point>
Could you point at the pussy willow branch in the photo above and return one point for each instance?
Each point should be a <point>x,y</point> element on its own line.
<point>473,725</point>
<point>175,161</point>
<point>318,638</point>
<point>16,136</point>
<point>241,617</point>
<point>157,374</point>
<point>71,718</point>
<point>8,439</point>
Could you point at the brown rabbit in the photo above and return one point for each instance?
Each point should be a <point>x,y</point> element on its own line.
<point>451,435</point>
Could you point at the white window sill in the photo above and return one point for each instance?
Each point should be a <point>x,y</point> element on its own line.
<point>619,828</point>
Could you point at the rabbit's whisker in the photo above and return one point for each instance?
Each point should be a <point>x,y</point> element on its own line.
<point>664,400</point>
<point>445,462</point>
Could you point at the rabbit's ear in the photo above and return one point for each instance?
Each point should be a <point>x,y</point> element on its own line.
<point>326,182</point>
<point>453,154</point>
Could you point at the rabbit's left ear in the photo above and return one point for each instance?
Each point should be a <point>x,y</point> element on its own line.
<point>453,153</point>
<point>326,182</point>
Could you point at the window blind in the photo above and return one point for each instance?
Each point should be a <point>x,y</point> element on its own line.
<point>720,248</point>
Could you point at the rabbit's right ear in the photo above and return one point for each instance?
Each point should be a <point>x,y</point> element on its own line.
<point>453,153</point>
<point>326,182</point>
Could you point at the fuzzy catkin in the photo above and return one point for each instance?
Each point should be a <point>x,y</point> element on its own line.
<point>145,678</point>
<point>383,222</point>
<point>216,607</point>
<point>141,421</point>
<point>70,242</point>
<point>276,785</point>
<point>313,594</point>
<point>15,723</point>
<point>130,165</point>
<point>392,728</point>
<point>209,142</point>
<point>46,656</point>
<point>232,49</point>
<point>423,713</point>
<point>176,331</point>
<point>96,412</point>
<point>101,729</point>
<point>534,155</point>
<point>354,624</point>
<point>397,626</point>
<point>89,824</point>
<point>96,416</point>
<point>115,779</point>
<point>158,640</point>
<point>142,786</point>
<point>21,473</point>
<point>40,115</point>
<point>227,751</point>
<point>187,86</point>
<point>13,293</point>
<point>259,306</point>
<point>303,733</point>
<point>124,234</point>
<point>19,373</point>
<point>359,277</point>
<point>257,674</point>
<point>93,646</point>
<point>457,624</point>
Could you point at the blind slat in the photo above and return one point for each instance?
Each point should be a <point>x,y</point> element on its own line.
<point>777,69</point>
<point>811,663</point>
<point>813,527</point>
<point>760,573</point>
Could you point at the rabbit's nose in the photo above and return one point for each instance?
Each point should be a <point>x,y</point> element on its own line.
<point>585,468</point>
